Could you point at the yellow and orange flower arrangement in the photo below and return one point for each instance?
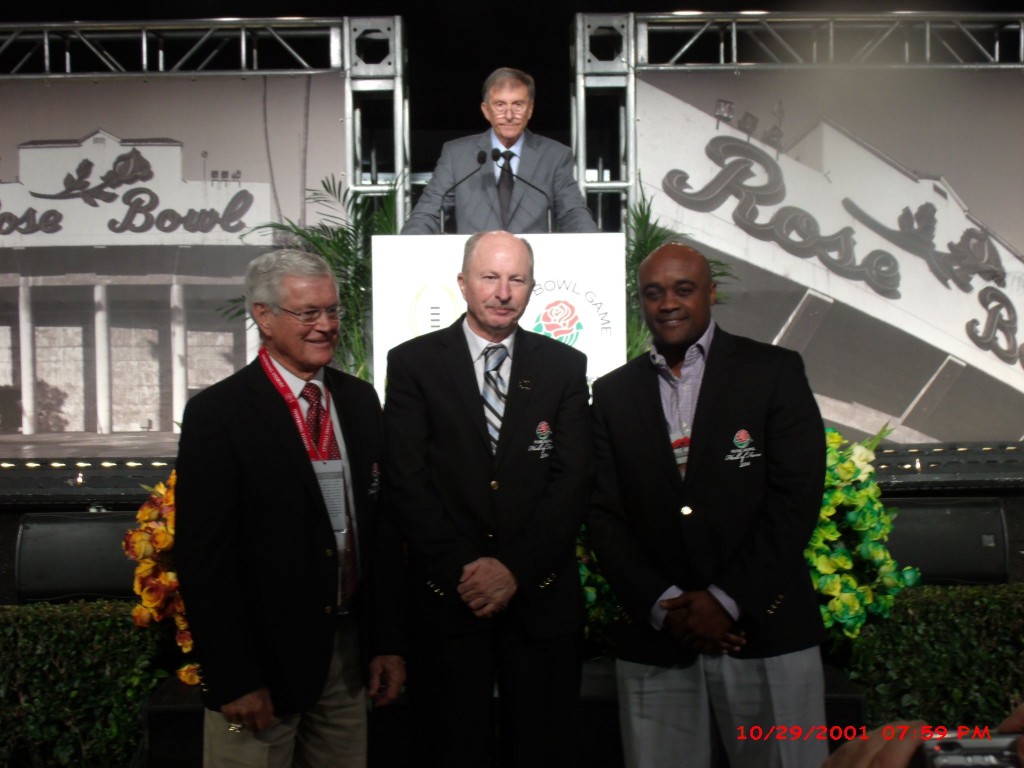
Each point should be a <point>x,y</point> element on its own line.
<point>150,544</point>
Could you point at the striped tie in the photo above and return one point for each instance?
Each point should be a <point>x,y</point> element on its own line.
<point>494,391</point>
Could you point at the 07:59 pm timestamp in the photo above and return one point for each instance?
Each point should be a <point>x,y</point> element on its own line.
<point>892,732</point>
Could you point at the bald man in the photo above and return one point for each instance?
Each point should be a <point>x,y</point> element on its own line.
<point>709,458</point>
<point>488,429</point>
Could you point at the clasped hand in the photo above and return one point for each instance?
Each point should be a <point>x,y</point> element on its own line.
<point>698,621</point>
<point>486,586</point>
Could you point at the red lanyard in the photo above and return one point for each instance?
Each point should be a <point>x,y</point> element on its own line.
<point>316,452</point>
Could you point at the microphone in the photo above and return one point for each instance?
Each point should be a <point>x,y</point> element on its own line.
<point>496,156</point>
<point>481,158</point>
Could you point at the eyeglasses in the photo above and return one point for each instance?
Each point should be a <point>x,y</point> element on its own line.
<point>310,316</point>
<point>503,107</point>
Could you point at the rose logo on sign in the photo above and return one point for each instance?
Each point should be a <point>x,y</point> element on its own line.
<point>559,321</point>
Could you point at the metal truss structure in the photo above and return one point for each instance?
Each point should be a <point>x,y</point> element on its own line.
<point>192,48</point>
<point>368,52</point>
<point>610,50</point>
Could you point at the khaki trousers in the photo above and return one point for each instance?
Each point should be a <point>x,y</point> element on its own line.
<point>331,734</point>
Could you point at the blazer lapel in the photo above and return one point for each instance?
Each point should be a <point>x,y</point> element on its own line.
<point>488,185</point>
<point>717,370</point>
<point>350,431</point>
<point>281,434</point>
<point>529,162</point>
<point>522,380</point>
<point>652,418</point>
<point>458,363</point>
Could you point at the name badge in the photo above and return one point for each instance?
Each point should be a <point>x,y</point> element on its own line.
<point>331,477</point>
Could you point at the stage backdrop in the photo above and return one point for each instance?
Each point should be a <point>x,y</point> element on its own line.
<point>126,217</point>
<point>578,297</point>
<point>872,220</point>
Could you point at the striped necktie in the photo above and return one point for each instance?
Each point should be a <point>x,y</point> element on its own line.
<point>494,391</point>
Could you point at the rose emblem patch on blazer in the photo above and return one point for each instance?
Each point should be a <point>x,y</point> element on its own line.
<point>544,442</point>
<point>745,449</point>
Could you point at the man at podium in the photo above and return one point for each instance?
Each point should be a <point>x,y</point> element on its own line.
<point>506,178</point>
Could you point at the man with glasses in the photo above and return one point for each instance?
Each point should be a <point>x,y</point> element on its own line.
<point>281,552</point>
<point>506,178</point>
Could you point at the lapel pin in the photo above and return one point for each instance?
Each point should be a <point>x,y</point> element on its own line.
<point>525,384</point>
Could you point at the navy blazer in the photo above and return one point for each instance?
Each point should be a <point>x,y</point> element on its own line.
<point>545,163</point>
<point>455,502</point>
<point>254,548</point>
<point>744,513</point>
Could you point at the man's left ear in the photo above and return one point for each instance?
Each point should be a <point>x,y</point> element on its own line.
<point>259,316</point>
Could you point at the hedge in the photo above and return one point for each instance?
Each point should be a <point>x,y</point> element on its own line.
<point>947,655</point>
<point>73,679</point>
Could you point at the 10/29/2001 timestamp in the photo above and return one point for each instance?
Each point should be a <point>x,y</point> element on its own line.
<point>892,732</point>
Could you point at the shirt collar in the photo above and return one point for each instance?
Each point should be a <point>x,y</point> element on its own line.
<point>295,384</point>
<point>699,347</point>
<point>477,344</point>
<point>517,148</point>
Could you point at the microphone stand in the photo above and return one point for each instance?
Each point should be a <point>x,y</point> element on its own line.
<point>481,158</point>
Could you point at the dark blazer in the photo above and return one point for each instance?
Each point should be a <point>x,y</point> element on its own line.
<point>743,515</point>
<point>544,163</point>
<point>254,547</point>
<point>455,502</point>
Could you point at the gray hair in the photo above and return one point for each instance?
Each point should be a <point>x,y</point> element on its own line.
<point>265,274</point>
<point>471,243</point>
<point>504,75</point>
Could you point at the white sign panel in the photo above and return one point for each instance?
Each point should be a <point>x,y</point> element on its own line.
<point>921,291</point>
<point>102,191</point>
<point>579,294</point>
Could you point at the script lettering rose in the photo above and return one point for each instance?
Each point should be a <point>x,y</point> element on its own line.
<point>559,321</point>
<point>128,169</point>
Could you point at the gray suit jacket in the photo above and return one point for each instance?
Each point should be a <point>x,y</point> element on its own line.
<point>544,163</point>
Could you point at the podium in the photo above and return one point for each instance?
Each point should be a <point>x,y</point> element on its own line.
<point>579,296</point>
